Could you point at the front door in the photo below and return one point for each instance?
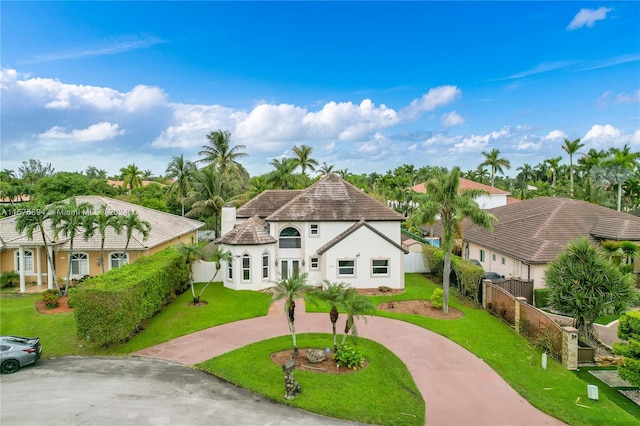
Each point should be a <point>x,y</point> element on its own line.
<point>289,268</point>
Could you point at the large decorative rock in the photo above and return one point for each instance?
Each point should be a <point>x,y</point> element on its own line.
<point>316,355</point>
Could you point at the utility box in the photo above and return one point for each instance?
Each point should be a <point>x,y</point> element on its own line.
<point>592,392</point>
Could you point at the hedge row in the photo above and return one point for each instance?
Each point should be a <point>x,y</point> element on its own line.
<point>110,308</point>
<point>465,275</point>
<point>629,329</point>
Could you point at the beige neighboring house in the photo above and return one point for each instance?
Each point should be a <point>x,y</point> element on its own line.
<point>533,232</point>
<point>28,257</point>
<point>331,230</point>
<point>495,197</point>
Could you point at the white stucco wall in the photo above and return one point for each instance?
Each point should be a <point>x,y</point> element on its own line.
<point>491,201</point>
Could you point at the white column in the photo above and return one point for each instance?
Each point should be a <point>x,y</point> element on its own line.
<point>39,266</point>
<point>21,265</point>
<point>50,270</point>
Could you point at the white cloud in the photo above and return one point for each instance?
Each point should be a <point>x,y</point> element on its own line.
<point>434,98</point>
<point>539,69</point>
<point>452,119</point>
<point>555,135</point>
<point>97,132</point>
<point>605,136</point>
<point>588,17</point>
<point>621,98</point>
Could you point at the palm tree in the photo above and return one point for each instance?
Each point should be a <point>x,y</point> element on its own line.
<point>525,176</point>
<point>181,171</point>
<point>290,289</point>
<point>132,222</point>
<point>625,162</point>
<point>571,147</point>
<point>493,160</point>
<point>303,158</point>
<point>325,169</point>
<point>68,220</point>
<point>283,176</point>
<point>344,173</point>
<point>190,253</point>
<point>552,171</point>
<point>99,222</point>
<point>218,255</point>
<point>131,176</point>
<point>444,200</point>
<point>355,305</point>
<point>334,294</point>
<point>208,196</point>
<point>219,153</point>
<point>39,213</point>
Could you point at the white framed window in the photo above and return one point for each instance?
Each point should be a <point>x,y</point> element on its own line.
<point>314,230</point>
<point>246,268</point>
<point>289,238</point>
<point>230,270</point>
<point>116,260</point>
<point>346,268</point>
<point>493,256</point>
<point>80,264</point>
<point>265,265</point>
<point>482,256</point>
<point>28,261</point>
<point>314,263</point>
<point>380,267</point>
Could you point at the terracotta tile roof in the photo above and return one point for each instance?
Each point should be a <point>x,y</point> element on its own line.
<point>333,199</point>
<point>164,227</point>
<point>253,231</point>
<point>350,230</point>
<point>466,184</point>
<point>537,230</point>
<point>267,202</point>
<point>120,183</point>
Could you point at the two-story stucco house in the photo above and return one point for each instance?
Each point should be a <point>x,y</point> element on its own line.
<point>331,230</point>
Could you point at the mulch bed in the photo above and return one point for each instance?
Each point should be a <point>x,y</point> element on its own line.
<point>419,307</point>
<point>62,307</point>
<point>328,366</point>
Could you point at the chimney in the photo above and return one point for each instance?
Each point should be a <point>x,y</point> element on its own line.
<point>228,218</point>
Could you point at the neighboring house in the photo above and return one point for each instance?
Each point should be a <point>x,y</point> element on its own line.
<point>166,229</point>
<point>331,230</point>
<point>494,198</point>
<point>533,232</point>
<point>120,184</point>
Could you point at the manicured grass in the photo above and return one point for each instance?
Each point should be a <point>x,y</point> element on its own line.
<point>612,393</point>
<point>383,393</point>
<point>553,391</point>
<point>606,319</point>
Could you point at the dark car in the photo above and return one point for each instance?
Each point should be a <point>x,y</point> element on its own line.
<point>493,276</point>
<point>16,352</point>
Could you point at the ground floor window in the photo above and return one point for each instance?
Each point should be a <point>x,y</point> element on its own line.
<point>117,260</point>
<point>346,268</point>
<point>380,267</point>
<point>246,268</point>
<point>80,264</point>
<point>28,261</point>
<point>265,265</point>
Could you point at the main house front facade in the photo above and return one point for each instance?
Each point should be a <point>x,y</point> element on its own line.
<point>331,231</point>
<point>27,256</point>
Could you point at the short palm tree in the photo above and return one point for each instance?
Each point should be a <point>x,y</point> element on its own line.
<point>217,256</point>
<point>99,222</point>
<point>131,176</point>
<point>355,305</point>
<point>334,294</point>
<point>132,222</point>
<point>191,252</point>
<point>290,289</point>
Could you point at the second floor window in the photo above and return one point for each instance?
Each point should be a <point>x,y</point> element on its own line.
<point>290,238</point>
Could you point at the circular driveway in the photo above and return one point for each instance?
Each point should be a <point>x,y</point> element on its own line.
<point>134,391</point>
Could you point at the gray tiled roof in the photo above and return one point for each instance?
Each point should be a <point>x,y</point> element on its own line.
<point>350,230</point>
<point>267,202</point>
<point>538,230</point>
<point>164,227</point>
<point>332,199</point>
<point>253,231</point>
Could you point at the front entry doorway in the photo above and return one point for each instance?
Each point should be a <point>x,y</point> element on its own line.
<point>289,268</point>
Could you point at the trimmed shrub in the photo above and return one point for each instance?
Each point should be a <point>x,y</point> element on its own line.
<point>349,357</point>
<point>51,299</point>
<point>541,297</point>
<point>110,308</point>
<point>469,277</point>
<point>629,329</point>
<point>437,298</point>
<point>434,258</point>
<point>9,279</point>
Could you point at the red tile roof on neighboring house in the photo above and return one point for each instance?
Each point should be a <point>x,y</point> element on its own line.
<point>119,183</point>
<point>17,199</point>
<point>466,184</point>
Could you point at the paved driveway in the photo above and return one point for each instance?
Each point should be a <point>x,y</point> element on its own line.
<point>134,391</point>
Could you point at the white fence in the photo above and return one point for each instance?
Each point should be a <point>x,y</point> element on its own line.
<point>414,262</point>
<point>203,271</point>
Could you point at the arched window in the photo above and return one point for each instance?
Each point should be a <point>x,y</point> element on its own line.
<point>28,261</point>
<point>290,238</point>
<point>80,264</point>
<point>246,268</point>
<point>117,260</point>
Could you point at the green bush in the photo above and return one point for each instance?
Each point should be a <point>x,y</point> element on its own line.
<point>110,308</point>
<point>468,275</point>
<point>541,297</point>
<point>437,298</point>
<point>349,357</point>
<point>629,329</point>
<point>434,258</point>
<point>51,299</point>
<point>9,279</point>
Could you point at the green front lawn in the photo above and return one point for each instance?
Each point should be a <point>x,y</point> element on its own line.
<point>382,393</point>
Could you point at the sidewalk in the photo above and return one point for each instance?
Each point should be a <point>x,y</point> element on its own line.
<point>458,388</point>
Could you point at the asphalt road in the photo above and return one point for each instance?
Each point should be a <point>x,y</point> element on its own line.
<point>134,391</point>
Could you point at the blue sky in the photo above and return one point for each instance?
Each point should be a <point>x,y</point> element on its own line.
<point>369,85</point>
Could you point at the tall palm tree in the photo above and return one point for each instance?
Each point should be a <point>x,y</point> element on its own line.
<point>290,289</point>
<point>132,222</point>
<point>525,176</point>
<point>131,176</point>
<point>181,171</point>
<point>303,158</point>
<point>571,147</point>
<point>444,200</point>
<point>219,152</point>
<point>334,294</point>
<point>625,162</point>
<point>325,169</point>
<point>355,305</point>
<point>100,221</point>
<point>552,171</point>
<point>39,214</point>
<point>208,196</point>
<point>495,163</point>
<point>283,177</point>
<point>67,221</point>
